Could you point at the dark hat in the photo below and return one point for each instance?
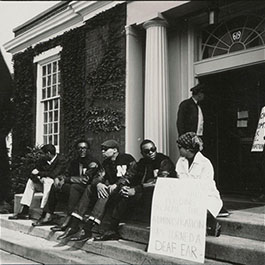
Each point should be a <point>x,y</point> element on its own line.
<point>110,144</point>
<point>198,88</point>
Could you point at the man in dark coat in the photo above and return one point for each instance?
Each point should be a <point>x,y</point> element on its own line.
<point>190,115</point>
<point>140,177</point>
<point>71,184</point>
<point>115,166</point>
<point>48,168</point>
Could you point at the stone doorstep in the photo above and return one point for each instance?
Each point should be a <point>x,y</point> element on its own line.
<point>122,250</point>
<point>48,252</point>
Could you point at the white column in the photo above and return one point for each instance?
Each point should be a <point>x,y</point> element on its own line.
<point>156,84</point>
<point>134,131</point>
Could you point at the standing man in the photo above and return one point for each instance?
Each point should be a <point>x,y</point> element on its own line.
<point>190,115</point>
<point>42,177</point>
<point>71,185</point>
<point>140,177</point>
<point>106,186</point>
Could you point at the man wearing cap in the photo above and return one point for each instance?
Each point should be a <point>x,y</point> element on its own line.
<point>109,183</point>
<point>140,177</point>
<point>190,115</point>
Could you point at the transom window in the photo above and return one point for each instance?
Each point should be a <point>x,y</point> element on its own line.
<point>50,99</point>
<point>237,34</point>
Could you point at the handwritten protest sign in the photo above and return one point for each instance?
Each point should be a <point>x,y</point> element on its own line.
<point>259,140</point>
<point>178,219</point>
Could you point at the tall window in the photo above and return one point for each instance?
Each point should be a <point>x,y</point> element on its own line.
<point>48,97</point>
<point>51,102</point>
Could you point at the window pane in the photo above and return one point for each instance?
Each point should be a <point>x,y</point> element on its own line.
<point>44,70</point>
<point>45,106</point>
<point>43,93</point>
<point>48,92</point>
<point>56,101</point>
<point>50,105</point>
<point>55,140</point>
<point>50,139</point>
<point>55,67</point>
<point>44,82</point>
<point>56,127</point>
<point>45,139</point>
<point>54,78</point>
<point>49,80</point>
<point>49,68</point>
<point>45,129</point>
<point>45,117</point>
<point>50,128</point>
<point>56,115</point>
<point>53,91</point>
<point>50,116</point>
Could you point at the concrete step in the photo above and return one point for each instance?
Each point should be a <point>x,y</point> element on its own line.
<point>10,258</point>
<point>48,252</point>
<point>122,250</point>
<point>245,224</point>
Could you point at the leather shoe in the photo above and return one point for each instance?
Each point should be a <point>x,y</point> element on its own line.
<point>109,235</point>
<point>82,235</point>
<point>42,222</point>
<point>68,232</point>
<point>19,216</point>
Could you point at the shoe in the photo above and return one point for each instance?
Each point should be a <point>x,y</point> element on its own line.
<point>109,235</point>
<point>43,222</point>
<point>68,232</point>
<point>19,216</point>
<point>214,230</point>
<point>82,236</point>
<point>223,213</point>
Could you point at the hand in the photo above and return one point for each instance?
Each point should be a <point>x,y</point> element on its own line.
<point>102,190</point>
<point>127,192</point>
<point>85,179</point>
<point>42,180</point>
<point>149,184</point>
<point>112,188</point>
<point>56,183</point>
<point>35,171</point>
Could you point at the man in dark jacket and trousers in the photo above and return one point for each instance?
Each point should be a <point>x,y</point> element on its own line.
<point>190,115</point>
<point>115,166</point>
<point>140,177</point>
<point>48,168</point>
<point>71,184</point>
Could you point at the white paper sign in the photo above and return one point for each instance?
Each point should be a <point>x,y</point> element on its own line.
<point>259,140</point>
<point>178,219</point>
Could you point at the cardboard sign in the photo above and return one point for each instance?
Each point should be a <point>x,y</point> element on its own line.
<point>259,139</point>
<point>178,219</point>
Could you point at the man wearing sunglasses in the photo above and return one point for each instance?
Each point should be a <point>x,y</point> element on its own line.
<point>115,166</point>
<point>139,177</point>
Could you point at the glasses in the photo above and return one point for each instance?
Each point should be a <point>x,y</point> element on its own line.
<point>104,149</point>
<point>82,148</point>
<point>147,151</point>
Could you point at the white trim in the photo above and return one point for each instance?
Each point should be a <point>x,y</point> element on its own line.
<point>72,17</point>
<point>230,61</point>
<point>47,54</point>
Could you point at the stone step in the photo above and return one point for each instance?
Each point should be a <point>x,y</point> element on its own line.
<point>122,250</point>
<point>11,258</point>
<point>48,252</point>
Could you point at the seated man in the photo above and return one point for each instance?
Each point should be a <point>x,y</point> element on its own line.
<point>115,166</point>
<point>48,168</point>
<point>193,164</point>
<point>139,177</point>
<point>78,175</point>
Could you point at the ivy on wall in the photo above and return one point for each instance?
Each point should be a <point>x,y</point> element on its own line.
<point>92,95</point>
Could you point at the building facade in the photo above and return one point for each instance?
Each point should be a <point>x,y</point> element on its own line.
<point>170,46</point>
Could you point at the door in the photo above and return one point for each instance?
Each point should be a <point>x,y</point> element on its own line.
<point>232,105</point>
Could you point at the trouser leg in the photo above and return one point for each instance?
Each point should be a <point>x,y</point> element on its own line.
<point>28,193</point>
<point>47,184</point>
<point>76,191</point>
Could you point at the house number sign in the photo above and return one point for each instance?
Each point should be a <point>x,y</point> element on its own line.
<point>236,35</point>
